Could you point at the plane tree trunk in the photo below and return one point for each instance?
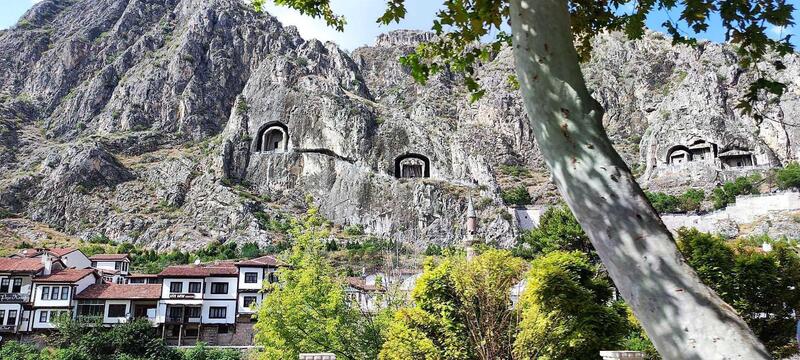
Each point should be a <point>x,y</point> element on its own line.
<point>684,318</point>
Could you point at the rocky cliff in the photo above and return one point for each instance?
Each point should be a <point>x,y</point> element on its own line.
<point>173,123</point>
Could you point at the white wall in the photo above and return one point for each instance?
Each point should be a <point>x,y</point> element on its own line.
<point>11,307</point>
<point>185,290</point>
<point>230,313</point>
<point>527,218</point>
<point>77,260</point>
<point>747,209</point>
<point>26,284</point>
<point>240,302</point>
<point>257,285</point>
<point>38,302</point>
<point>46,325</point>
<point>117,320</point>
<point>232,287</point>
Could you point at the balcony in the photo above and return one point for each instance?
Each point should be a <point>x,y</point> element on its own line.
<point>8,328</point>
<point>183,320</point>
<point>14,298</point>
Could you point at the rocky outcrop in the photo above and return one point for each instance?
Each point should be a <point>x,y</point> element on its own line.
<point>148,121</point>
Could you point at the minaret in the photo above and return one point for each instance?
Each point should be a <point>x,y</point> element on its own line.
<point>472,231</point>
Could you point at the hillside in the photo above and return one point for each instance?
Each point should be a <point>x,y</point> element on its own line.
<point>174,123</point>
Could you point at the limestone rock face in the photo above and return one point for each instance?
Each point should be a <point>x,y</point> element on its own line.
<point>173,123</point>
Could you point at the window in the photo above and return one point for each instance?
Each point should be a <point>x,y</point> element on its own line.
<point>43,316</point>
<point>273,278</point>
<point>119,280</point>
<point>45,295</point>
<point>64,293</point>
<point>250,277</point>
<point>217,312</point>
<point>219,288</point>
<point>4,285</point>
<point>91,308</point>
<point>2,317</point>
<point>190,332</point>
<point>94,264</point>
<point>117,310</point>
<point>175,313</point>
<point>175,287</point>
<point>12,317</point>
<point>223,329</point>
<point>17,285</point>
<point>125,267</point>
<point>195,287</point>
<point>194,312</point>
<point>117,265</point>
<point>249,300</point>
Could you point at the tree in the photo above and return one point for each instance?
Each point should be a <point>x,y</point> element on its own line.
<point>727,193</point>
<point>789,176</point>
<point>682,316</point>
<point>567,311</point>
<point>308,310</point>
<point>462,310</point>
<point>761,286</point>
<point>558,230</point>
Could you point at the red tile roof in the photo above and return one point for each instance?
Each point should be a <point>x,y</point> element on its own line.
<point>61,251</point>
<point>21,265</point>
<point>109,257</point>
<point>217,269</point>
<point>29,252</point>
<point>119,291</point>
<point>65,276</point>
<point>264,261</point>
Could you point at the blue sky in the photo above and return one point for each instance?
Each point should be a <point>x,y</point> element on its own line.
<point>362,28</point>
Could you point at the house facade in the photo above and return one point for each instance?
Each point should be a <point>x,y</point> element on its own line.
<point>214,303</point>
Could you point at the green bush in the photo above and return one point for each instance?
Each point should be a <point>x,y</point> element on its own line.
<point>515,170</point>
<point>354,230</point>
<point>433,250</point>
<point>13,350</point>
<point>726,194</point>
<point>558,230</point>
<point>201,352</point>
<point>516,196</point>
<point>789,176</point>
<point>761,286</point>
<point>691,200</point>
<point>567,310</point>
<point>663,203</point>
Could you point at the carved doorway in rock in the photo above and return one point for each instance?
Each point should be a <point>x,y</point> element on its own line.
<point>412,166</point>
<point>273,137</point>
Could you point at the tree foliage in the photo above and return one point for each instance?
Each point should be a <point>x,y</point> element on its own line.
<point>308,310</point>
<point>789,176</point>
<point>462,310</point>
<point>690,200</point>
<point>761,286</point>
<point>567,310</point>
<point>726,194</point>
<point>558,230</point>
<point>517,195</point>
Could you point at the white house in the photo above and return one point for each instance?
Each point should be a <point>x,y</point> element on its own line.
<point>16,284</point>
<point>117,303</point>
<point>71,257</point>
<point>195,299</point>
<point>114,268</point>
<point>252,275</point>
<point>53,294</point>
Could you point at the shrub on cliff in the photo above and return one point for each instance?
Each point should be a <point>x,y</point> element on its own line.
<point>789,176</point>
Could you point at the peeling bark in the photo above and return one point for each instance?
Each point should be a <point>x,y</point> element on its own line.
<point>684,318</point>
